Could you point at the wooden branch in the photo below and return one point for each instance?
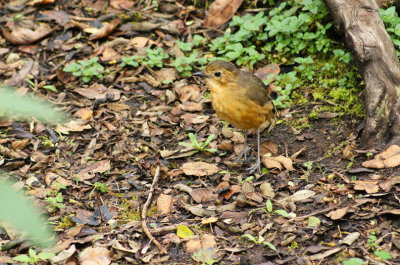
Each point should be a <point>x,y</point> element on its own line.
<point>365,34</point>
<point>146,208</point>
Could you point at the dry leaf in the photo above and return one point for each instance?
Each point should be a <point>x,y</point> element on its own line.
<point>267,190</point>
<point>387,159</point>
<point>199,169</point>
<point>196,243</point>
<point>368,186</point>
<point>96,167</point>
<point>73,126</point>
<point>279,162</point>
<point>164,203</point>
<point>25,35</point>
<point>220,12</point>
<point>84,113</point>
<point>95,256</point>
<point>203,195</point>
<point>187,92</point>
<point>337,214</point>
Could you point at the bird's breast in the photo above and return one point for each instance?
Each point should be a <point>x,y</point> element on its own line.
<point>233,106</point>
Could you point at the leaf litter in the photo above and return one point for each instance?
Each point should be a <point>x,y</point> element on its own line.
<point>93,174</point>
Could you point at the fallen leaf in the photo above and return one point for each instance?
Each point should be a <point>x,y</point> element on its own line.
<point>199,169</point>
<point>350,238</point>
<point>164,203</point>
<point>220,12</point>
<point>368,186</point>
<point>84,113</point>
<point>269,147</point>
<point>95,256</point>
<point>267,190</point>
<point>300,195</point>
<point>96,167</point>
<point>184,232</point>
<point>387,159</point>
<point>337,214</point>
<point>64,255</point>
<point>73,126</point>
<point>279,162</point>
<point>203,195</point>
<point>25,35</point>
<point>187,92</point>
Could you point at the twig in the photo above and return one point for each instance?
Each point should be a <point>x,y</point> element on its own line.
<point>312,214</point>
<point>144,211</point>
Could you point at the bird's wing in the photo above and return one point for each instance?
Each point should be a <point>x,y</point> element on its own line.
<point>255,88</point>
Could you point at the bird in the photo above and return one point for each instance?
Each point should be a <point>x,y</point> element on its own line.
<point>240,98</point>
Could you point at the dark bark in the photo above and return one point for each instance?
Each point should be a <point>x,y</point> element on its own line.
<point>365,34</point>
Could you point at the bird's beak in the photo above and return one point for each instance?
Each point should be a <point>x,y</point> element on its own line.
<point>200,74</point>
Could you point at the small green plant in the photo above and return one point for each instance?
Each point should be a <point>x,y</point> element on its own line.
<point>373,244</point>
<point>155,57</point>
<point>354,261</point>
<point>100,187</point>
<point>55,202</point>
<point>184,65</point>
<point>248,179</point>
<point>269,209</point>
<point>33,258</point>
<point>133,61</point>
<point>260,240</point>
<point>392,23</point>
<point>369,155</point>
<point>86,69</point>
<point>200,146</point>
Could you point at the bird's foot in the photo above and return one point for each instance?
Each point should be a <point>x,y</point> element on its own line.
<point>242,155</point>
<point>256,166</point>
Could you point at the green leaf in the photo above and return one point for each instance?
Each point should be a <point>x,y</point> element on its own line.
<point>22,105</point>
<point>270,245</point>
<point>45,255</point>
<point>353,261</point>
<point>383,254</point>
<point>16,209</point>
<point>50,87</point>
<point>313,221</point>
<point>268,206</point>
<point>22,258</point>
<point>184,232</point>
<point>282,212</point>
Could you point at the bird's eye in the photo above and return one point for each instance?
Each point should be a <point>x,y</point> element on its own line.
<point>217,74</point>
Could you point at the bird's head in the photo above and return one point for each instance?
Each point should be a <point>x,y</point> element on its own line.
<point>220,72</point>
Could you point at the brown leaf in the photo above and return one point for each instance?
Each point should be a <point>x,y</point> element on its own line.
<point>267,190</point>
<point>19,144</point>
<point>141,42</point>
<point>191,118</point>
<point>196,243</point>
<point>73,126</point>
<point>166,74</point>
<point>164,203</point>
<point>387,159</point>
<point>109,54</point>
<point>97,167</point>
<point>95,256</point>
<point>337,214</point>
<point>25,35</point>
<point>191,106</point>
<point>269,69</point>
<point>279,162</point>
<point>104,31</point>
<point>255,196</point>
<point>84,113</point>
<point>269,147</point>
<point>368,186</point>
<point>122,4</point>
<point>220,12</point>
<point>203,195</point>
<point>199,169</point>
<point>187,92</point>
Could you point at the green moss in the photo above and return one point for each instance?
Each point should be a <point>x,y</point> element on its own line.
<point>129,213</point>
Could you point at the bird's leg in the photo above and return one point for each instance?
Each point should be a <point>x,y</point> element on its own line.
<point>256,166</point>
<point>243,154</point>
